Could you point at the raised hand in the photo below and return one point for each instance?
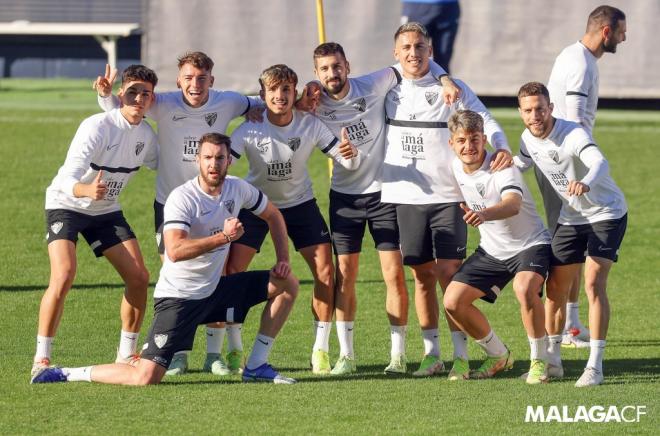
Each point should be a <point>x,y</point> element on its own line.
<point>98,188</point>
<point>233,228</point>
<point>103,84</point>
<point>471,217</point>
<point>346,148</point>
<point>501,159</point>
<point>310,98</point>
<point>577,188</point>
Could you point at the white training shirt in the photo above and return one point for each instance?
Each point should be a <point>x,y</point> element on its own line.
<point>108,142</point>
<point>180,127</point>
<point>278,155</point>
<point>417,167</point>
<point>507,237</point>
<point>190,209</point>
<point>569,153</point>
<point>573,86</point>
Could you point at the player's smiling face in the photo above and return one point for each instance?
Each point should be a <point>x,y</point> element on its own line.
<point>136,97</point>
<point>194,84</point>
<point>279,97</point>
<point>469,147</point>
<point>332,71</point>
<point>536,113</point>
<point>413,51</point>
<point>214,160</point>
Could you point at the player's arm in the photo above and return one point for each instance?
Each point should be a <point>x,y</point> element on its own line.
<point>310,97</point>
<point>103,86</point>
<point>523,161</point>
<point>598,166</point>
<point>77,177</point>
<point>506,208</point>
<point>180,246</point>
<point>577,94</point>
<point>280,238</point>
<point>343,152</point>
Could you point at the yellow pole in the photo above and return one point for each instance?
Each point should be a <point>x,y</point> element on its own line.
<point>320,25</point>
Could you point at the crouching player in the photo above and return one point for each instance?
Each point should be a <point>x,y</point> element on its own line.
<point>514,245</point>
<point>200,224</point>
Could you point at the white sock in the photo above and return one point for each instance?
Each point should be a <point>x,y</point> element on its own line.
<point>492,345</point>
<point>431,342</point>
<point>459,339</point>
<point>398,334</point>
<point>128,344</point>
<point>260,351</point>
<point>322,330</point>
<point>234,339</point>
<point>573,316</point>
<point>554,350</point>
<point>44,347</point>
<point>345,336</point>
<point>215,337</point>
<point>597,349</point>
<point>538,348</point>
<point>78,374</point>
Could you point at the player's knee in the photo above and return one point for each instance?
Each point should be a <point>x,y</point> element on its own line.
<point>139,279</point>
<point>451,301</point>
<point>62,280</point>
<point>146,376</point>
<point>291,286</point>
<point>324,274</point>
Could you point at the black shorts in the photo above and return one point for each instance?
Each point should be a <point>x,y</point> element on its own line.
<point>304,224</point>
<point>159,217</point>
<point>572,244</point>
<point>350,212</point>
<point>100,231</point>
<point>490,275</point>
<point>431,231</point>
<point>176,319</point>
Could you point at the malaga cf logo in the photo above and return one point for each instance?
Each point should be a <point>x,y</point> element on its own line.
<point>481,189</point>
<point>360,105</point>
<point>210,118</point>
<point>139,147</point>
<point>229,204</point>
<point>294,143</point>
<point>554,155</point>
<point>431,97</point>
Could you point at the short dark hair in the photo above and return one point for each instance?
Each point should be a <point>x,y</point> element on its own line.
<point>139,72</point>
<point>327,49</point>
<point>276,74</point>
<point>413,26</point>
<point>605,16</point>
<point>533,88</point>
<point>467,120</point>
<point>197,59</point>
<point>215,138</point>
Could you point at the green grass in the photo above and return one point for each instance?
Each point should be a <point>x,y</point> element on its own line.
<point>38,120</point>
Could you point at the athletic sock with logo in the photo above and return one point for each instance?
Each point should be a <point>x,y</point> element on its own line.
<point>234,339</point>
<point>597,349</point>
<point>554,350</point>
<point>83,374</point>
<point>398,336</point>
<point>260,351</point>
<point>492,345</point>
<point>215,337</point>
<point>345,336</point>
<point>573,315</point>
<point>538,348</point>
<point>459,339</point>
<point>128,344</point>
<point>44,347</point>
<point>322,330</point>
<point>431,342</point>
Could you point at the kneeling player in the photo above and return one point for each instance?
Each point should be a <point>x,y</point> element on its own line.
<point>200,223</point>
<point>514,245</point>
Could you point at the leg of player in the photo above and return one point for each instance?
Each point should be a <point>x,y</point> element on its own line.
<point>576,335</point>
<point>396,303</point>
<point>345,306</point>
<point>595,282</point>
<point>526,285</point>
<point>62,255</point>
<point>127,259</point>
<point>458,301</point>
<point>215,338</point>
<point>559,280</point>
<point>319,260</point>
<point>445,270</point>
<point>282,295</point>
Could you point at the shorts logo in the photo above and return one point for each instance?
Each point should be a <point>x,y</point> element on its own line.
<point>603,248</point>
<point>535,265</point>
<point>210,118</point>
<point>56,227</point>
<point>360,105</point>
<point>229,204</point>
<point>294,144</point>
<point>160,340</point>
<point>481,189</point>
<point>554,155</point>
<point>139,147</point>
<point>159,236</point>
<point>324,233</point>
<point>263,146</point>
<point>460,249</point>
<point>431,97</point>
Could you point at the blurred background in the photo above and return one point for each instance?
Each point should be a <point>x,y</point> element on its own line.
<point>500,44</point>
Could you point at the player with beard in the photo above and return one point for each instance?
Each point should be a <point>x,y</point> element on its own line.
<point>200,225</point>
<point>573,87</point>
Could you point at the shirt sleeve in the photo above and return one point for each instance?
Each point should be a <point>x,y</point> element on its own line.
<point>78,158</point>
<point>151,158</point>
<point>238,142</point>
<point>329,144</point>
<point>523,160</point>
<point>509,181</point>
<point>253,199</point>
<point>177,213</point>
<point>108,103</point>
<point>593,159</point>
<point>492,129</point>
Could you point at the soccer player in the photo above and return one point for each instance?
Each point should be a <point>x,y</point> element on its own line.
<point>107,150</point>
<point>182,118</point>
<point>277,150</point>
<point>200,223</point>
<point>514,246</point>
<point>573,87</point>
<point>591,223</point>
<point>358,105</point>
<point>417,179</point>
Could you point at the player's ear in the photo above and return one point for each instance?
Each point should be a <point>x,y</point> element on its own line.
<point>348,68</point>
<point>178,83</point>
<point>211,81</point>
<point>262,94</point>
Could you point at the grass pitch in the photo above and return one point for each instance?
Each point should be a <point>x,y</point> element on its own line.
<point>38,120</point>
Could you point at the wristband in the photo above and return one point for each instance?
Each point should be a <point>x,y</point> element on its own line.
<point>227,237</point>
